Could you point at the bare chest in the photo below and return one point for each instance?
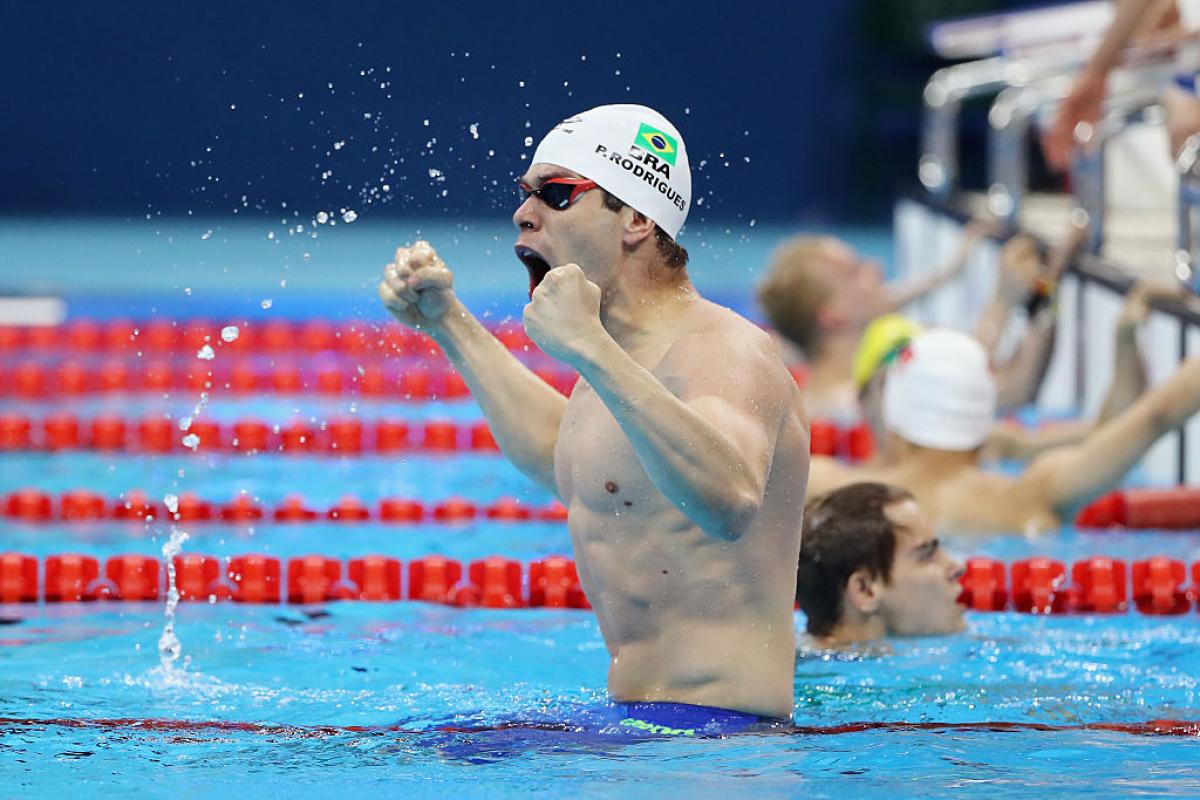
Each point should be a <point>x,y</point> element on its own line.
<point>595,464</point>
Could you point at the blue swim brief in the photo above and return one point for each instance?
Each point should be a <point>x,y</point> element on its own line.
<point>680,719</point>
<point>595,729</point>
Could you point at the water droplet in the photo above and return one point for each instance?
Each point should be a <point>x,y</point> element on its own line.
<point>322,217</point>
<point>266,303</point>
<point>529,141</point>
<point>171,502</point>
<point>474,129</point>
<point>205,353</point>
<point>349,215</point>
<point>230,332</point>
<point>191,441</point>
<point>185,423</point>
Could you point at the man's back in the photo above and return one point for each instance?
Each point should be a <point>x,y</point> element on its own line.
<point>970,500</point>
<point>690,616</point>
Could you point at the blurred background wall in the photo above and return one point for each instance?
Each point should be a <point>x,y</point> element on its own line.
<point>791,110</point>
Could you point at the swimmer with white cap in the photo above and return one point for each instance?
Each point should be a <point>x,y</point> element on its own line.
<point>939,400</point>
<point>681,454</point>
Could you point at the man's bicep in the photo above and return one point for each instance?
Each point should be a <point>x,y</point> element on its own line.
<point>751,435</point>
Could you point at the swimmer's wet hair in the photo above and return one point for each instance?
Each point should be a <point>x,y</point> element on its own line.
<point>671,252</point>
<point>794,289</point>
<point>844,531</point>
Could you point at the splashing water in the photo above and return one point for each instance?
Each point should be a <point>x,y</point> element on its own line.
<point>169,647</point>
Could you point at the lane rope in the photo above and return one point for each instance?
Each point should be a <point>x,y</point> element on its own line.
<point>1098,585</point>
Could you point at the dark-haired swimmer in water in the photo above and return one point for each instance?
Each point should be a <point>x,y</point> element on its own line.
<point>870,567</point>
<point>681,455</point>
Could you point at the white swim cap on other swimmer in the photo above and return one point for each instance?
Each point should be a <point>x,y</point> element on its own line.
<point>633,152</point>
<point>940,392</point>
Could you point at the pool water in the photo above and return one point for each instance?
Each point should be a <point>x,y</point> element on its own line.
<point>422,699</point>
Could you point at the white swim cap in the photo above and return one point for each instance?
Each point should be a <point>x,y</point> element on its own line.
<point>940,392</point>
<point>633,152</point>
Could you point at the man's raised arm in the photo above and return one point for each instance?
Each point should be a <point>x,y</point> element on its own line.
<point>523,412</point>
<point>707,449</point>
<point>1070,476</point>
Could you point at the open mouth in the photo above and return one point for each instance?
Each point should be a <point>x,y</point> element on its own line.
<point>537,266</point>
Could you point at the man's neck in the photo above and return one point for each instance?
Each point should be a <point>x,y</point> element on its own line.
<point>852,631</point>
<point>640,304</point>
<point>933,462</point>
<point>832,368</point>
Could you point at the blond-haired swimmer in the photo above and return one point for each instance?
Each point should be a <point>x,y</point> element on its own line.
<point>819,294</point>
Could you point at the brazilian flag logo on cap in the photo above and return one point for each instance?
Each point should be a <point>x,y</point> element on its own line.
<point>661,144</point>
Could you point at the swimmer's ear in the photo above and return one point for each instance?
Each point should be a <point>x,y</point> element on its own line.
<point>862,592</point>
<point>638,227</point>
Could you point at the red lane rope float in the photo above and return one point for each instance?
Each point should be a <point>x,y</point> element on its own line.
<point>415,381</point>
<point>493,582</point>
<point>1098,585</point>
<point>852,444</point>
<point>351,435</point>
<point>1174,508</point>
<point>157,434</point>
<point>222,728</point>
<point>1039,585</point>
<point>161,336</point>
<point>34,507</point>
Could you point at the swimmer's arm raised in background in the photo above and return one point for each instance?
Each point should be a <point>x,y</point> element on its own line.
<point>1013,441</point>
<point>1024,276</point>
<point>1070,476</point>
<point>707,446</point>
<point>919,286</point>
<point>523,412</point>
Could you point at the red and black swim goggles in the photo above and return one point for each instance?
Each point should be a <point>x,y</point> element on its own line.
<point>558,193</point>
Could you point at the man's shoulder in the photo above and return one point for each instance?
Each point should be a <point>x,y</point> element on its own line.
<point>721,353</point>
<point>716,330</point>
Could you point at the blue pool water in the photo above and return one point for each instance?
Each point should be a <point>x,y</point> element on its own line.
<point>361,697</point>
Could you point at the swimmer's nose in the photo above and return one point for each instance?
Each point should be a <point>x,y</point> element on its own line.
<point>525,217</point>
<point>956,570</point>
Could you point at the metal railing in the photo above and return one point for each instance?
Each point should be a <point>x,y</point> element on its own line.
<point>1025,88</point>
<point>943,98</point>
<point>1009,121</point>
<point>1087,166</point>
<point>1188,248</point>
